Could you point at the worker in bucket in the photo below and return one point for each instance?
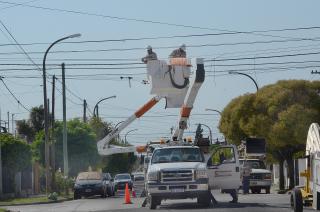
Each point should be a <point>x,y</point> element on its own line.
<point>151,55</point>
<point>180,52</point>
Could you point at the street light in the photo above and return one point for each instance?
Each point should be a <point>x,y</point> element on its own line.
<point>95,109</point>
<point>247,75</point>
<point>125,137</point>
<point>210,132</point>
<point>218,111</point>
<point>45,105</point>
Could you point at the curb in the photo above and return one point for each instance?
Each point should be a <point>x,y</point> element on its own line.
<point>38,203</point>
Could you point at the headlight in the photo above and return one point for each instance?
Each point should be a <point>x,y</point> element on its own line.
<point>153,176</point>
<point>76,185</point>
<point>201,174</point>
<point>267,176</point>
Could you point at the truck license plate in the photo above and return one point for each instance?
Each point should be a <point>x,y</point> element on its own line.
<point>176,190</point>
<point>88,190</point>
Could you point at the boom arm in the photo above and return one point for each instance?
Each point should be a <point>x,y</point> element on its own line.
<point>189,101</point>
<point>103,144</point>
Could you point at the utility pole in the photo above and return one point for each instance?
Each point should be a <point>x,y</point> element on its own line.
<point>0,163</point>
<point>84,111</point>
<point>65,146</point>
<point>12,124</point>
<point>53,142</point>
<point>8,121</point>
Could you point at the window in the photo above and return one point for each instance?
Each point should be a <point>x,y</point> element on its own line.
<point>172,155</point>
<point>222,156</point>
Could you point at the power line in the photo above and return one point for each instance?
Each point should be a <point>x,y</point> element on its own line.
<point>164,37</point>
<point>169,47</point>
<point>259,32</point>
<point>12,94</point>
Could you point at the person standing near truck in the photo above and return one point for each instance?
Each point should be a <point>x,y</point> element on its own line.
<point>246,171</point>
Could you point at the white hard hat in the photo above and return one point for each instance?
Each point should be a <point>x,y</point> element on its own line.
<point>183,47</point>
<point>149,47</point>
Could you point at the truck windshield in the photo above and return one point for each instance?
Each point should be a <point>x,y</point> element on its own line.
<point>254,164</point>
<point>173,155</point>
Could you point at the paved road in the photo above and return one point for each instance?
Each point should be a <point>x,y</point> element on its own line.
<point>254,203</point>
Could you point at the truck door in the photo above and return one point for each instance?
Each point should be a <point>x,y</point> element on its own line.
<point>223,168</point>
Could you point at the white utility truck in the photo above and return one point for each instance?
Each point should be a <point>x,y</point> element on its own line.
<point>179,169</point>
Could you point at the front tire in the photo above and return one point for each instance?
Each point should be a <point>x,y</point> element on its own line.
<point>268,190</point>
<point>204,200</point>
<point>296,200</point>
<point>154,202</point>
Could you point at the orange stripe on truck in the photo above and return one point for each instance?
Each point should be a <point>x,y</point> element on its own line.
<point>185,111</point>
<point>146,107</point>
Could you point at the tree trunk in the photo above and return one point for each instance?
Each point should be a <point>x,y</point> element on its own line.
<point>291,172</point>
<point>281,175</point>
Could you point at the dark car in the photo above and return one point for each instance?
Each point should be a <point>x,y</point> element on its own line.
<point>120,181</point>
<point>89,184</point>
<point>109,183</point>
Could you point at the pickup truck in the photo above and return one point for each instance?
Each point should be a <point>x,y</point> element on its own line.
<point>260,177</point>
<point>181,172</point>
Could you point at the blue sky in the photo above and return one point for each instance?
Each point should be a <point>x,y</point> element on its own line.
<point>45,25</point>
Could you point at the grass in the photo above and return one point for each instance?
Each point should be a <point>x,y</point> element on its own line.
<point>2,210</point>
<point>28,200</point>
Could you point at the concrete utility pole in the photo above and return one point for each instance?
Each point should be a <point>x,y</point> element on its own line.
<point>84,111</point>
<point>53,142</point>
<point>65,144</point>
<point>8,121</point>
<point>0,162</point>
<point>12,124</point>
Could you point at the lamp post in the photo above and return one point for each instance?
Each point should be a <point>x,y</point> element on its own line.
<point>218,111</point>
<point>96,110</point>
<point>45,105</point>
<point>247,75</point>
<point>125,136</point>
<point>210,132</point>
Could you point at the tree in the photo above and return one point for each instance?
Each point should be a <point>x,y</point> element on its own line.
<point>16,154</point>
<point>82,149</point>
<point>281,113</point>
<point>29,128</point>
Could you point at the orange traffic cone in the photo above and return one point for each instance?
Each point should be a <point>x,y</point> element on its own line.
<point>127,199</point>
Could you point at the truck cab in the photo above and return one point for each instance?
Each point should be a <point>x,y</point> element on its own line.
<point>180,172</point>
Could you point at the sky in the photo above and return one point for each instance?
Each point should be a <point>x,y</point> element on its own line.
<point>269,40</point>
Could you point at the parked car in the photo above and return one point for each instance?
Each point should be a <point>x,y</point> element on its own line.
<point>109,183</point>
<point>89,184</point>
<point>120,181</point>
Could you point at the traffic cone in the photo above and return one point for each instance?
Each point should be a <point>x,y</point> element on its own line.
<point>127,199</point>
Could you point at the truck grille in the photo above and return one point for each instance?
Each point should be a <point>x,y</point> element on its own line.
<point>177,175</point>
<point>256,176</point>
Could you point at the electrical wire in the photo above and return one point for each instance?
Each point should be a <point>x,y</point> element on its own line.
<point>168,47</point>
<point>12,94</point>
<point>161,37</point>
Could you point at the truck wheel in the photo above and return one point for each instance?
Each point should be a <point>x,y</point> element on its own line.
<point>268,190</point>
<point>253,190</point>
<point>258,190</point>
<point>204,200</point>
<point>76,196</point>
<point>296,200</point>
<point>154,202</point>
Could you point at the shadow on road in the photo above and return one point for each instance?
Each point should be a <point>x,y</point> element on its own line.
<point>184,206</point>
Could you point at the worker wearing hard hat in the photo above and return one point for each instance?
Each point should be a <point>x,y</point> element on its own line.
<point>180,52</point>
<point>151,55</point>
